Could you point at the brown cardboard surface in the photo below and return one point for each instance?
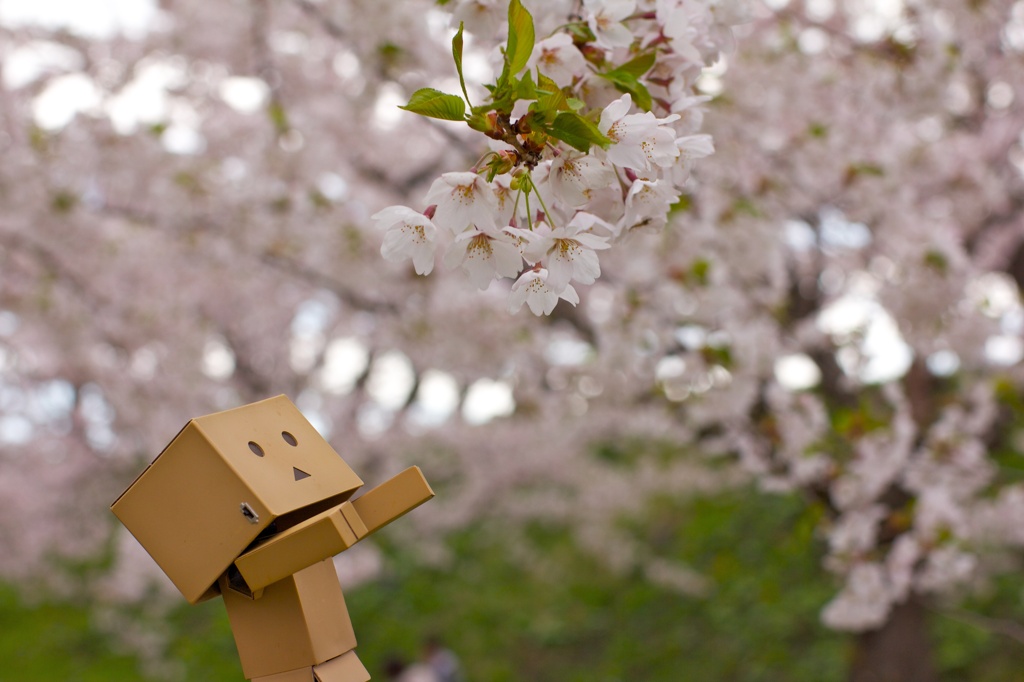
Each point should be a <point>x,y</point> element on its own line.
<point>344,668</point>
<point>305,544</point>
<point>272,476</point>
<point>175,505</point>
<point>392,499</point>
<point>300,675</point>
<point>186,507</point>
<point>332,531</point>
<point>355,522</point>
<point>299,621</point>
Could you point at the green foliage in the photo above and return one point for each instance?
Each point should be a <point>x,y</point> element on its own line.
<point>520,39</point>
<point>457,55</point>
<point>937,261</point>
<point>436,104</point>
<point>528,604</point>
<point>699,270</point>
<point>573,619</point>
<point>626,78</point>
<point>525,89</point>
<point>817,129</point>
<point>54,641</point>
<point>553,114</point>
<point>278,117</point>
<point>550,99</point>
<point>64,201</point>
<point>855,170</point>
<point>203,644</point>
<point>980,640</point>
<point>577,132</point>
<point>638,66</point>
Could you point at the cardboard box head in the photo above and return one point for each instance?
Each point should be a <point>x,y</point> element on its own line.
<point>223,481</point>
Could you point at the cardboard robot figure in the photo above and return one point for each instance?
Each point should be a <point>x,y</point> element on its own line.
<point>251,504</point>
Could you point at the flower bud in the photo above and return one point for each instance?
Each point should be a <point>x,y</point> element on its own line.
<point>486,124</point>
<point>504,161</point>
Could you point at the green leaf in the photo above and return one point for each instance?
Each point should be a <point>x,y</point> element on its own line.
<point>577,132</point>
<point>551,98</point>
<point>436,104</point>
<point>699,270</point>
<point>525,88</point>
<point>504,96</point>
<point>626,78</point>
<point>520,38</point>
<point>627,82</point>
<point>278,116</point>
<point>457,54</point>
<point>637,66</point>
<point>546,84</point>
<point>581,33</point>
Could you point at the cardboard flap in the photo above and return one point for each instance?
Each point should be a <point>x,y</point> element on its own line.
<point>315,539</point>
<point>393,499</point>
<point>344,668</point>
<point>300,675</point>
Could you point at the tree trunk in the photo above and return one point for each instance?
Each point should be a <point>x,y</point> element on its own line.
<point>899,651</point>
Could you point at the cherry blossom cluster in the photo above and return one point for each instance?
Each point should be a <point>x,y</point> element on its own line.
<point>592,135</point>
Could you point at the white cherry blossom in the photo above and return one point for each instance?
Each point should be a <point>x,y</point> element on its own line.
<point>462,199</point>
<point>647,204</point>
<point>533,289</point>
<point>691,148</point>
<point>485,256</point>
<point>506,200</point>
<point>573,178</point>
<point>409,235</point>
<point>639,141</point>
<point>558,59</point>
<point>690,111</point>
<point>731,12</point>
<point>605,19</point>
<point>482,17</point>
<point>856,530</point>
<point>864,602</point>
<point>568,252</point>
<point>675,19</point>
<point>695,146</point>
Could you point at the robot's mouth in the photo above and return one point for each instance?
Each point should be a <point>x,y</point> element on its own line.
<point>286,521</point>
<point>299,474</point>
<point>237,583</point>
<point>288,550</point>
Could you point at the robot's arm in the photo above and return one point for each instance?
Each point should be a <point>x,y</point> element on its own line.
<point>332,531</point>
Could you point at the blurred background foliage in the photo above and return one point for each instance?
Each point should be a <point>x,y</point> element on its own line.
<point>569,619</point>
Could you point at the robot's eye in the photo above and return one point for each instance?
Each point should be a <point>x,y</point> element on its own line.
<point>256,449</point>
<point>289,438</point>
